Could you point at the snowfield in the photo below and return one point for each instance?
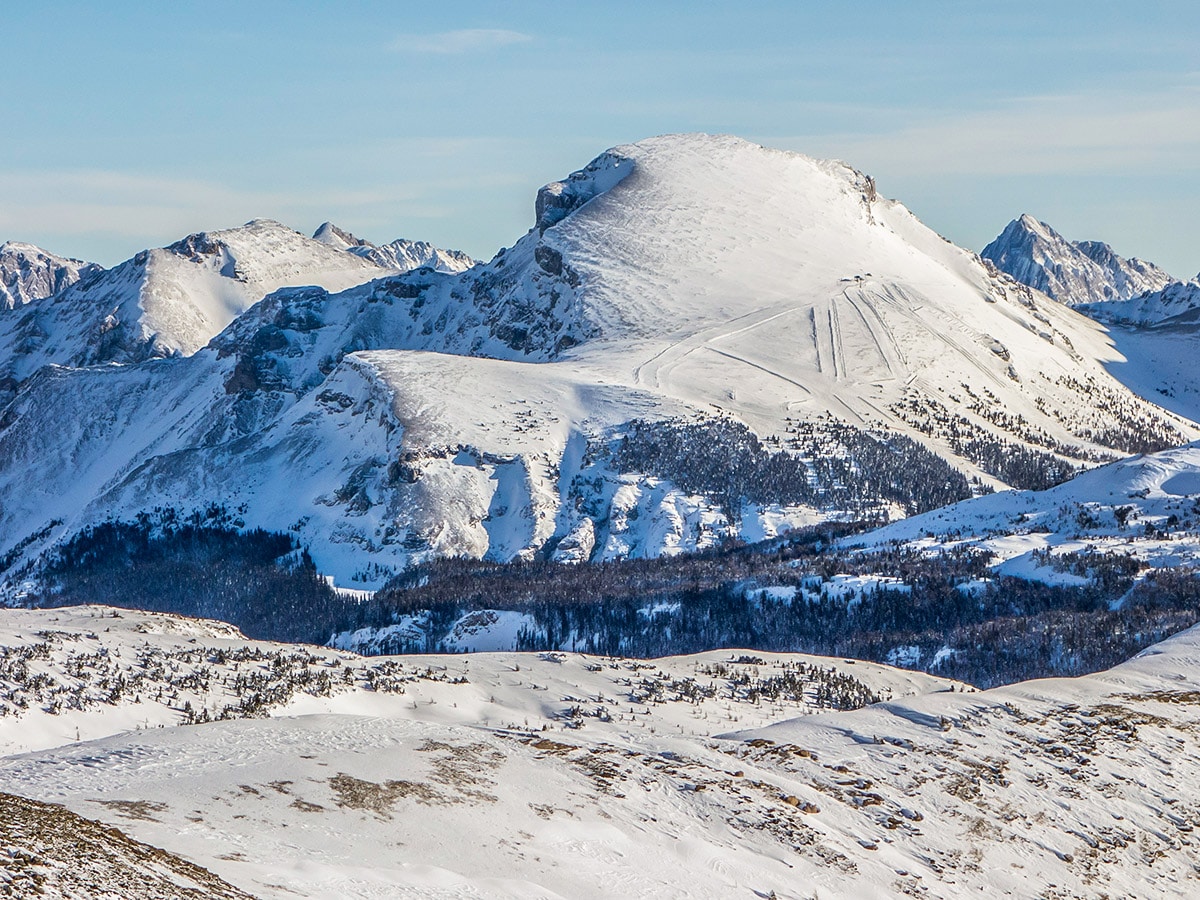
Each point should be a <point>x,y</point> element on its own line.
<point>560,775</point>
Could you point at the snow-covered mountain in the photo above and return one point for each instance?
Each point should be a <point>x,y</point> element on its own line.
<point>30,273</point>
<point>719,775</point>
<point>1176,304</point>
<point>400,255</point>
<point>1151,319</point>
<point>169,301</point>
<point>1144,506</point>
<point>684,279</point>
<point>1072,272</point>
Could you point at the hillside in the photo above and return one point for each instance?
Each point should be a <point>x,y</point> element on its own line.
<point>1143,508</point>
<point>561,775</point>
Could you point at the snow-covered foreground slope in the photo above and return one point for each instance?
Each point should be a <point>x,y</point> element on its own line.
<point>511,775</point>
<point>30,273</point>
<point>682,277</point>
<point>1072,272</point>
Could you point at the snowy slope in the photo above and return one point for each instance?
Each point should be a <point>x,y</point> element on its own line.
<point>680,277</point>
<point>1159,362</point>
<point>510,775</point>
<point>1073,272</point>
<point>1148,506</point>
<point>30,273</point>
<point>170,301</point>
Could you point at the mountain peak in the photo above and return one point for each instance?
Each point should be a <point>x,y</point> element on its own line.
<point>475,414</point>
<point>338,238</point>
<point>162,302</point>
<point>1072,272</point>
<point>29,273</point>
<point>1027,222</point>
<point>400,255</point>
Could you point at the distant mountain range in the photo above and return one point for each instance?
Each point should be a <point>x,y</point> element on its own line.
<point>1090,275</point>
<point>399,255</point>
<point>699,338</point>
<point>171,301</point>
<point>1072,272</point>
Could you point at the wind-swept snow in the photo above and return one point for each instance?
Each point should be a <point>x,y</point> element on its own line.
<point>560,775</point>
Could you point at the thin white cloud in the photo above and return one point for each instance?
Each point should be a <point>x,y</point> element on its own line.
<point>1081,134</point>
<point>120,212</point>
<point>464,40</point>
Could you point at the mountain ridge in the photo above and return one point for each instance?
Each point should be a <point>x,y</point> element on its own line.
<point>400,255</point>
<point>671,281</point>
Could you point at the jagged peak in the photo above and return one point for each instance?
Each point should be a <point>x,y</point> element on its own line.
<point>338,238</point>
<point>1073,272</point>
<point>29,272</point>
<point>1025,228</point>
<point>21,247</point>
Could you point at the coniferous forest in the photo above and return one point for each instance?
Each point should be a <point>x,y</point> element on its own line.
<point>945,613</point>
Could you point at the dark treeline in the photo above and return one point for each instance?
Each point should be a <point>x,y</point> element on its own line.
<point>1014,463</point>
<point>829,465</point>
<point>945,613</point>
<point>951,615</point>
<point>257,580</point>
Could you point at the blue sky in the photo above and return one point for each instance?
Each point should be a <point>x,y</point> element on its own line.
<point>131,124</point>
